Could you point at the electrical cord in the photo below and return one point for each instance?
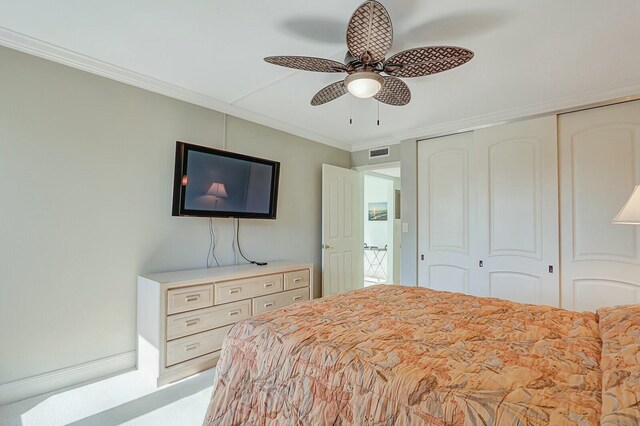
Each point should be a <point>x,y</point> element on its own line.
<point>233,241</point>
<point>212,245</point>
<point>253,262</point>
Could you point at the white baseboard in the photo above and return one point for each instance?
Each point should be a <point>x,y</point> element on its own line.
<point>65,377</point>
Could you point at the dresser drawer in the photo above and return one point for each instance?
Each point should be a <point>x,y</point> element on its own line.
<point>230,291</point>
<point>296,279</point>
<point>189,298</point>
<point>181,350</point>
<point>280,300</point>
<point>205,319</point>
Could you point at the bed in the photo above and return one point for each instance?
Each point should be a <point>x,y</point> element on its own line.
<point>404,356</point>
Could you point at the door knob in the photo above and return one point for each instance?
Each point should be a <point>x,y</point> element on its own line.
<point>327,246</point>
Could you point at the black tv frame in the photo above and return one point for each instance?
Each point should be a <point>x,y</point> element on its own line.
<point>182,158</point>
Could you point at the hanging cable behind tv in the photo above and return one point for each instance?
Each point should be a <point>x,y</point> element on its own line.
<point>212,245</point>
<point>253,262</point>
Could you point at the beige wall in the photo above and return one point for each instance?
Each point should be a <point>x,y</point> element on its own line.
<point>86,169</point>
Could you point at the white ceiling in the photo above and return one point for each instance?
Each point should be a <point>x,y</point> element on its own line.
<point>532,56</point>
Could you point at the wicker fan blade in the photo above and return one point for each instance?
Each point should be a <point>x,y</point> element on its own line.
<point>307,63</point>
<point>329,93</point>
<point>370,32</point>
<point>394,92</point>
<point>426,60</point>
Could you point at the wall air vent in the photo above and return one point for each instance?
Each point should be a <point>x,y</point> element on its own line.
<point>379,152</point>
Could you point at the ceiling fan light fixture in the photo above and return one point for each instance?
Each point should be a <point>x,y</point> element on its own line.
<point>364,84</point>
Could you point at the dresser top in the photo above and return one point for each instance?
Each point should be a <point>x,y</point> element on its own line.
<point>224,273</point>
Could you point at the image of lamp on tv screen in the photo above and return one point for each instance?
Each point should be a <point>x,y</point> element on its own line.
<point>217,191</point>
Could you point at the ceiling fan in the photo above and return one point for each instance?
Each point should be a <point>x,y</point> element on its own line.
<point>369,38</point>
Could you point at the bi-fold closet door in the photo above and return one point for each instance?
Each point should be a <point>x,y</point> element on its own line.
<point>488,212</point>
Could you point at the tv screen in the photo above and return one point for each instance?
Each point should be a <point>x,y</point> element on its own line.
<point>214,183</point>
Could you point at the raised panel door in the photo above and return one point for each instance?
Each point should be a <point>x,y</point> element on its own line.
<point>517,222</point>
<point>445,207</point>
<point>341,231</point>
<point>599,166</point>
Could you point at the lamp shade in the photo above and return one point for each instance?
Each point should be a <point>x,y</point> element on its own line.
<point>630,213</point>
<point>217,190</point>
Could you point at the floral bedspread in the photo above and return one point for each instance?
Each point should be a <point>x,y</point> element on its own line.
<point>404,356</point>
<point>620,331</point>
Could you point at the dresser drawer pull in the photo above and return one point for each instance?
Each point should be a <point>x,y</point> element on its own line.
<point>297,280</point>
<point>191,347</point>
<point>269,304</point>
<point>192,322</point>
<point>235,290</point>
<point>235,312</point>
<point>193,298</point>
<point>296,298</point>
<point>269,284</point>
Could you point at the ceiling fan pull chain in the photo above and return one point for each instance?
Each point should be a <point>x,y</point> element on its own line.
<point>350,114</point>
<point>378,103</point>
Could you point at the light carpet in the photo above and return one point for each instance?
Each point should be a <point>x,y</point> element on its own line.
<point>127,398</point>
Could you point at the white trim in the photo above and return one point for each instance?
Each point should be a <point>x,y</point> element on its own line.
<point>559,106</point>
<point>377,143</point>
<point>82,62</point>
<point>377,166</point>
<point>65,377</point>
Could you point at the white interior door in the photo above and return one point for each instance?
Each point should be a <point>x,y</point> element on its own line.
<point>517,228</point>
<point>342,246</point>
<point>599,162</point>
<point>444,213</point>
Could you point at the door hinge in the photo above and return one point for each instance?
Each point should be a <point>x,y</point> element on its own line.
<point>481,264</point>
<point>422,257</point>
<point>551,269</point>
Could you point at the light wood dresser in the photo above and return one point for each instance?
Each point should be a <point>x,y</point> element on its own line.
<point>183,316</point>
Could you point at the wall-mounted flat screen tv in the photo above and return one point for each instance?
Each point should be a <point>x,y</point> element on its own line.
<point>215,183</point>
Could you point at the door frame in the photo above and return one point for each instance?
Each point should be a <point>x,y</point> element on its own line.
<point>394,254</point>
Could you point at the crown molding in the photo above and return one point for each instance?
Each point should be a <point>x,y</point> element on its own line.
<point>65,377</point>
<point>376,143</point>
<point>559,106</point>
<point>42,49</point>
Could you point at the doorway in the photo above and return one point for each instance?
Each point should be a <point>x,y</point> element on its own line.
<point>381,224</point>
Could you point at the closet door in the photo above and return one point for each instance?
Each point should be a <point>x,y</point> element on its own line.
<point>444,213</point>
<point>517,230</point>
<point>599,161</point>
